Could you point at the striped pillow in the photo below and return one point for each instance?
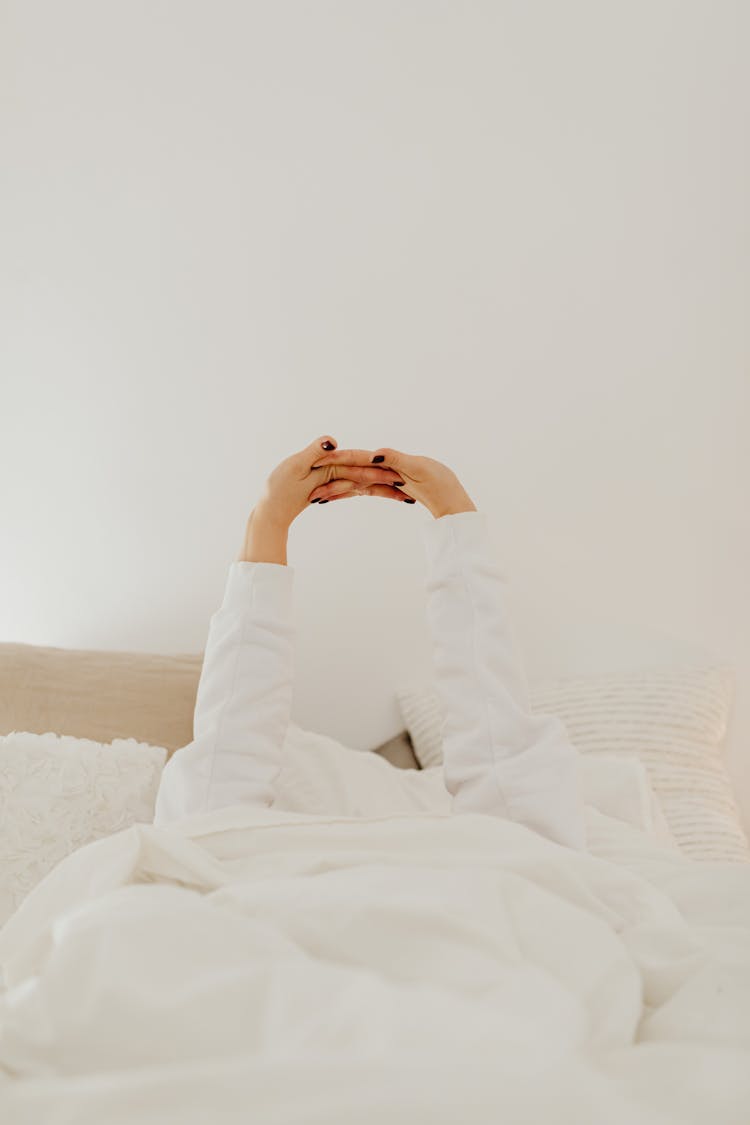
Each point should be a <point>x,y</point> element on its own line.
<point>673,721</point>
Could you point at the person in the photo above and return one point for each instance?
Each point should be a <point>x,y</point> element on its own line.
<point>499,758</point>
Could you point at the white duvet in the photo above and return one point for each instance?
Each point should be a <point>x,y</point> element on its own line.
<point>280,966</point>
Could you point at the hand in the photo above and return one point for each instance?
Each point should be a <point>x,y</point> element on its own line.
<point>429,481</point>
<point>287,493</point>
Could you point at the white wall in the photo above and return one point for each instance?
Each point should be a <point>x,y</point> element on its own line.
<point>513,236</point>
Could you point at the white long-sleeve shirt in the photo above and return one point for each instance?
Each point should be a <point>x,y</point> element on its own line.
<point>498,757</point>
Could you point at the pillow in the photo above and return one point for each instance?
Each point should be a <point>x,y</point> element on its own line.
<point>59,793</point>
<point>321,776</point>
<point>673,721</point>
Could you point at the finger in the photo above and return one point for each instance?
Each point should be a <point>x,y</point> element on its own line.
<point>323,444</point>
<point>327,492</point>
<point>370,474</point>
<point>334,488</point>
<point>390,493</point>
<point>392,459</point>
<point>386,457</point>
<point>384,490</point>
<point>357,478</point>
<point>344,457</point>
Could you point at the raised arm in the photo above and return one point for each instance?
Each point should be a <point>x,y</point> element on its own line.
<point>498,757</point>
<point>243,702</point>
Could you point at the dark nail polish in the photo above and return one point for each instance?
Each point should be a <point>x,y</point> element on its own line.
<point>378,459</point>
<point>328,445</point>
<point>408,501</point>
<point>316,500</point>
<point>398,483</point>
<point>322,501</point>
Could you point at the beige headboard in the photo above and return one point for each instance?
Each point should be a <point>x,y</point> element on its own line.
<point>106,695</point>
<point>99,695</point>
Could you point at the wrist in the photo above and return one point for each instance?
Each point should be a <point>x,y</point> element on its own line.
<point>452,506</point>
<point>267,514</point>
<point>266,537</point>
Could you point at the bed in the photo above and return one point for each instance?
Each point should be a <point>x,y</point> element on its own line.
<point>358,953</point>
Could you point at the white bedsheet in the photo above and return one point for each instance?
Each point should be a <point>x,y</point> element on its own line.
<point>276,966</point>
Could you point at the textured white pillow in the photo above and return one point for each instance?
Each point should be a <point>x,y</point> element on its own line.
<point>673,721</point>
<point>58,793</point>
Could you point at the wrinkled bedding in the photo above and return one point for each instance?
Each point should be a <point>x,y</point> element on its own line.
<point>286,967</point>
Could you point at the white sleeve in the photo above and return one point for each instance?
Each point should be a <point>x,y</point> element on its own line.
<point>243,701</point>
<point>498,757</point>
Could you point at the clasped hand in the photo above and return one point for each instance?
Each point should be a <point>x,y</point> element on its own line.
<point>321,472</point>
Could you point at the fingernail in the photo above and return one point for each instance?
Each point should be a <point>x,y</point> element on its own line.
<point>408,501</point>
<point>316,500</point>
<point>376,460</point>
<point>322,501</point>
<point>328,445</point>
<point>398,483</point>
